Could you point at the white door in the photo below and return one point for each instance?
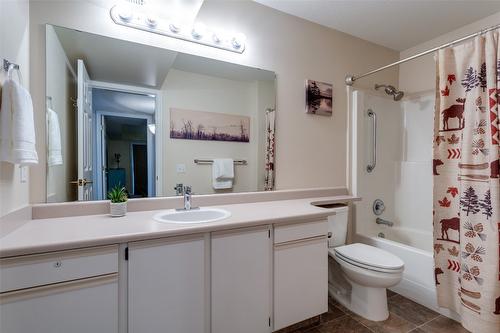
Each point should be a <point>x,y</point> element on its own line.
<point>85,151</point>
<point>241,281</point>
<point>167,286</point>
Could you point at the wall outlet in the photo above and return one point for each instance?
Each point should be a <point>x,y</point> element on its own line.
<point>23,174</point>
<point>180,168</point>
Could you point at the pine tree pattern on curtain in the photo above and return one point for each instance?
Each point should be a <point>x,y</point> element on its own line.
<point>270,147</point>
<point>466,182</point>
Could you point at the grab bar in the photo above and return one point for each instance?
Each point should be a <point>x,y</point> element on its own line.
<point>371,166</point>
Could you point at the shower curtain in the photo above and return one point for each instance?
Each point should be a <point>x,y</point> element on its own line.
<point>269,175</point>
<point>466,182</point>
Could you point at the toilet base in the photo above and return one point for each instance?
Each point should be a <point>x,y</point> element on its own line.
<point>367,302</point>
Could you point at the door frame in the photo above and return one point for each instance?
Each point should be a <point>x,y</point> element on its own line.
<point>150,167</point>
<point>100,138</point>
<point>156,140</point>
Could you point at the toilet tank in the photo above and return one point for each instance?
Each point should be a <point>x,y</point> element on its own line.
<point>337,225</point>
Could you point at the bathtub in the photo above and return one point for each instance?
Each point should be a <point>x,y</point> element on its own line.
<point>418,276</point>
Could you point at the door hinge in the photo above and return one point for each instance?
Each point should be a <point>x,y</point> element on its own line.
<point>126,253</point>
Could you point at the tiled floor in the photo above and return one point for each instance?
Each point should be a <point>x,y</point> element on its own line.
<point>405,316</point>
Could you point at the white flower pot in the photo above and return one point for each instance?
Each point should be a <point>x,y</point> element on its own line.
<point>118,209</point>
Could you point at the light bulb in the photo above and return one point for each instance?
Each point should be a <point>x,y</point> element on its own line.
<point>174,27</point>
<point>218,36</point>
<point>151,21</point>
<point>238,41</point>
<point>125,13</point>
<point>199,30</point>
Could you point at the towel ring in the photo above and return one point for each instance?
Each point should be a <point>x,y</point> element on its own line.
<point>9,73</point>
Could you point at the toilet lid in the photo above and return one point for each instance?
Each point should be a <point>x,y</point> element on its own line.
<point>370,256</point>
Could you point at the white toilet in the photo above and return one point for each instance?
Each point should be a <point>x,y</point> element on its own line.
<point>358,273</point>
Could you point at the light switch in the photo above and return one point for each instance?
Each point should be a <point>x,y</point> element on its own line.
<point>23,174</point>
<point>181,168</point>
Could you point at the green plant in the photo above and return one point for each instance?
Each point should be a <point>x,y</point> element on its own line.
<point>118,194</point>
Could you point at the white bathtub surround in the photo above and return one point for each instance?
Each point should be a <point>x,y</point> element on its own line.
<point>466,182</point>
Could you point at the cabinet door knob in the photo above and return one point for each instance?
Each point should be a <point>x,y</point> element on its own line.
<point>57,264</point>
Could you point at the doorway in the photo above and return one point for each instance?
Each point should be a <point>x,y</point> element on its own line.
<point>125,149</point>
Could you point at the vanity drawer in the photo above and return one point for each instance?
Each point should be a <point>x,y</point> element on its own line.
<point>47,268</point>
<point>297,231</point>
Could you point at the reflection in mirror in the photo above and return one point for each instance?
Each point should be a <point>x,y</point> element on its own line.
<point>152,120</point>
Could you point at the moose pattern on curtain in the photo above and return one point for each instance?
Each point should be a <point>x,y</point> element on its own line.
<point>466,182</point>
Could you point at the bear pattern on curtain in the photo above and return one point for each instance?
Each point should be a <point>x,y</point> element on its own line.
<point>466,182</point>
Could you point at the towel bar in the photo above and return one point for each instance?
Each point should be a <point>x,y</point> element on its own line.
<point>208,161</point>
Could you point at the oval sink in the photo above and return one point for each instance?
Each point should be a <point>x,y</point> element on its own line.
<point>197,215</point>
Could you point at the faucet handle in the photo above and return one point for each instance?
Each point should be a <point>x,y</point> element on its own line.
<point>187,189</point>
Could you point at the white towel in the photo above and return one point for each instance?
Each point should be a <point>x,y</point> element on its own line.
<point>54,154</point>
<point>222,173</point>
<point>17,127</point>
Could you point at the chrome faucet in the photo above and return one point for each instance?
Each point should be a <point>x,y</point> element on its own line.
<point>187,197</point>
<point>382,221</point>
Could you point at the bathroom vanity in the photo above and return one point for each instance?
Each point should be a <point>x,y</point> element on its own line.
<point>259,270</point>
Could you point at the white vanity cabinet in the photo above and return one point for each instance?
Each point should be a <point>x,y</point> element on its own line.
<point>300,272</point>
<point>167,286</point>
<point>60,292</point>
<point>241,280</point>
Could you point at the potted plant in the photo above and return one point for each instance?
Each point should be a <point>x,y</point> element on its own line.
<point>118,197</point>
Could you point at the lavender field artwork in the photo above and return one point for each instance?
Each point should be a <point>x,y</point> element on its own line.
<point>319,98</point>
<point>209,126</point>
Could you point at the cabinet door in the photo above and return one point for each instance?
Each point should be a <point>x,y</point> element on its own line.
<point>167,291</point>
<point>241,281</point>
<point>300,280</point>
<point>80,306</point>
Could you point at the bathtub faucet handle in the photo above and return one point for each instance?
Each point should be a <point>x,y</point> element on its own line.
<point>378,207</point>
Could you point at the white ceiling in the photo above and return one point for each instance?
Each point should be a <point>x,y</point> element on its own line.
<point>396,24</point>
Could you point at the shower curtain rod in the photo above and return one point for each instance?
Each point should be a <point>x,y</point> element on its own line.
<point>350,79</point>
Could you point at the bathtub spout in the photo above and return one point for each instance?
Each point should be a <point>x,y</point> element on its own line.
<point>382,221</point>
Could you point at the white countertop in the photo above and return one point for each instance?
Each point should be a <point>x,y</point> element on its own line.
<point>54,234</point>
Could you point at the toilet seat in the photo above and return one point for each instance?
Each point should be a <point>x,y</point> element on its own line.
<point>369,257</point>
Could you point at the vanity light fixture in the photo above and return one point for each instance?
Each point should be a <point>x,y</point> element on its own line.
<point>139,19</point>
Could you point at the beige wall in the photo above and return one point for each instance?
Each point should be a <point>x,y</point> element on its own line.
<point>14,46</point>
<point>61,88</point>
<point>191,91</point>
<point>419,75</point>
<point>311,150</point>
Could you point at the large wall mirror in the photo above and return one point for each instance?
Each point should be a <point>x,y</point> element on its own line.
<point>151,120</point>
